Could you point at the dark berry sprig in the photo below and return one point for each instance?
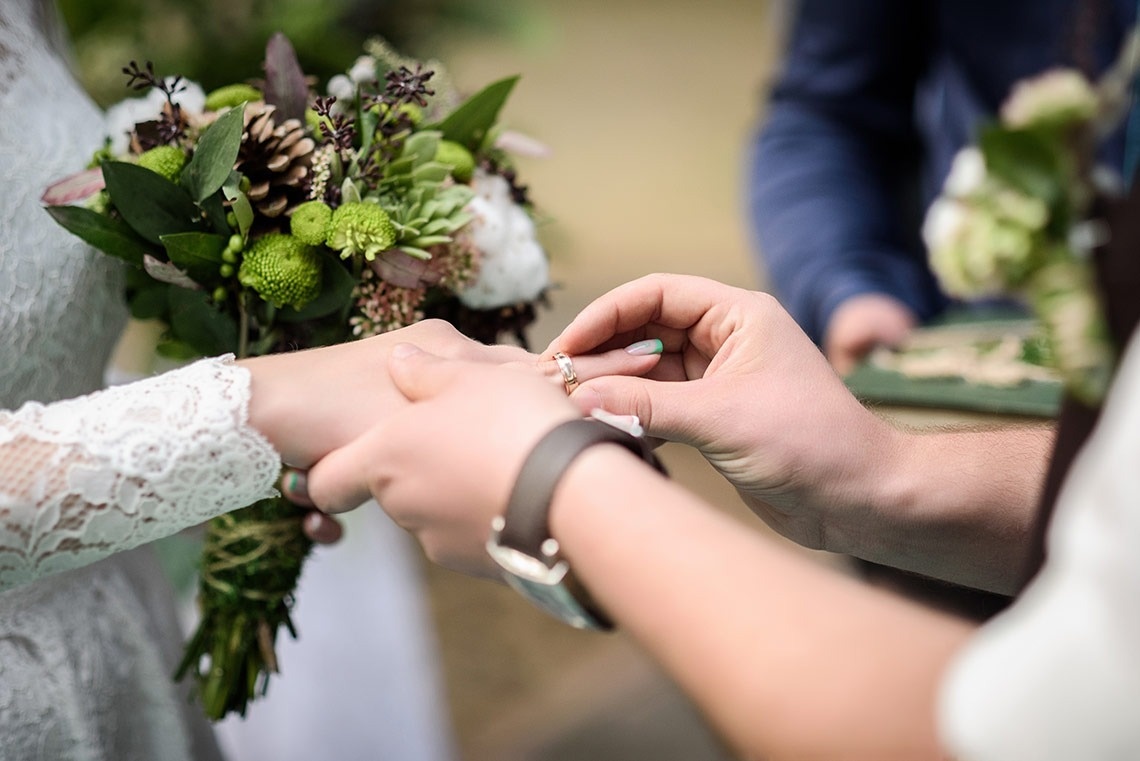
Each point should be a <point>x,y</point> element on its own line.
<point>170,125</point>
<point>336,127</point>
<point>407,86</point>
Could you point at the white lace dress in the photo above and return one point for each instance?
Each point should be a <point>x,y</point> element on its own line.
<point>88,634</point>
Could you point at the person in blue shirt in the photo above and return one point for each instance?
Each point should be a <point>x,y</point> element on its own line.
<point>874,99</point>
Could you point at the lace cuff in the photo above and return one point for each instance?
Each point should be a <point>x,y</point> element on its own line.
<point>84,478</point>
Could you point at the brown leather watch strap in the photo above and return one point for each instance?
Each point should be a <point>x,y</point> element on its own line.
<point>526,519</point>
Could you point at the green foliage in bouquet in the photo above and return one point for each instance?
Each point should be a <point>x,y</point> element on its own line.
<point>272,219</point>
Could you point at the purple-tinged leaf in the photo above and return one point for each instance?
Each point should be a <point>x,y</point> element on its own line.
<point>165,272</point>
<point>78,187</point>
<point>285,85</point>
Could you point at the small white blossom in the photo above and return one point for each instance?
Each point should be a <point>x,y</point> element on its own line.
<point>341,88</point>
<point>1056,96</point>
<point>513,266</point>
<point>967,173</point>
<point>364,70</point>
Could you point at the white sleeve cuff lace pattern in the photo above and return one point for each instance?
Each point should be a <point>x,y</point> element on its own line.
<point>84,478</point>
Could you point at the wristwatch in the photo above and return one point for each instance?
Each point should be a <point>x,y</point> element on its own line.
<point>520,538</point>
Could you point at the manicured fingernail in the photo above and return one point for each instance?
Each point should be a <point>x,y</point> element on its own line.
<point>648,346</point>
<point>297,484</point>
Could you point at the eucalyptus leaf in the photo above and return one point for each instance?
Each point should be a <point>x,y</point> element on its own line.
<point>469,124</point>
<point>197,322</point>
<point>214,156</point>
<point>151,204</point>
<point>111,236</point>
<point>198,254</point>
<point>337,285</point>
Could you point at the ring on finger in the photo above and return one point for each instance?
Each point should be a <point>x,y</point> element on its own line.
<point>566,367</point>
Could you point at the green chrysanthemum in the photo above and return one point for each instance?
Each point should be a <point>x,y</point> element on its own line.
<point>166,160</point>
<point>283,270</point>
<point>231,95</point>
<point>310,222</point>
<point>361,228</point>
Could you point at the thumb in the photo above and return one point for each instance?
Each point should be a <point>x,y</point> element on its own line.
<point>663,407</point>
<point>419,375</point>
<point>339,481</point>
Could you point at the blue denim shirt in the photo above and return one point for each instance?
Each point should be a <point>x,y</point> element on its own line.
<point>874,99</point>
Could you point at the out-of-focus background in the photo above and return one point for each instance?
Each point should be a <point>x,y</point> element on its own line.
<point>647,106</point>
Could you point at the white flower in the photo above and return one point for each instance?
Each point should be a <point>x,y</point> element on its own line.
<point>513,267</point>
<point>1057,96</point>
<point>944,224</point>
<point>341,88</point>
<point>967,173</point>
<point>121,118</point>
<point>364,70</point>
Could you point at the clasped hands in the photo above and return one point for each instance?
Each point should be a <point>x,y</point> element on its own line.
<point>435,426</point>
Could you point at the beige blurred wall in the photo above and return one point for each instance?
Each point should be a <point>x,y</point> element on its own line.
<point>647,107</point>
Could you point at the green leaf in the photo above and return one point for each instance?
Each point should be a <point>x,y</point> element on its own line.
<point>214,156</point>
<point>179,351</point>
<point>432,171</point>
<point>239,203</point>
<point>468,124</point>
<point>422,146</point>
<point>111,236</point>
<point>1025,159</point>
<point>198,254</point>
<point>337,284</point>
<point>146,296</point>
<point>151,204</point>
<point>197,322</point>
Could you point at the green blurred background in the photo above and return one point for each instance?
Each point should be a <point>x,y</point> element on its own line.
<point>210,41</point>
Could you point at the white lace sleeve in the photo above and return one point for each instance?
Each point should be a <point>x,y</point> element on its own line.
<point>87,477</point>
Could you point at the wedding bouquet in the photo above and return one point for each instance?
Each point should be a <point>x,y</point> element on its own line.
<point>263,217</point>
<point>1015,214</point>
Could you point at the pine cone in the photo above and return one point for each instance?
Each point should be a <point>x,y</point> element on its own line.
<point>277,159</point>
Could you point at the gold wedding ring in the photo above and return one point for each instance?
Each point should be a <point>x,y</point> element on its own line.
<point>566,367</point>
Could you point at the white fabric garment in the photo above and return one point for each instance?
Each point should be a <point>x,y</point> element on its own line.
<point>1057,676</point>
<point>87,646</point>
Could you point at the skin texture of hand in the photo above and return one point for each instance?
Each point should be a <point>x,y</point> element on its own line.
<point>860,324</point>
<point>757,397</point>
<point>742,383</point>
<point>480,445</point>
<point>309,403</point>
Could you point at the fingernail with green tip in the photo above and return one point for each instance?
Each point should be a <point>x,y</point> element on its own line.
<point>648,346</point>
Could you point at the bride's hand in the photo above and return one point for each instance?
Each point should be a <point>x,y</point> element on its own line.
<point>309,403</point>
<point>444,464</point>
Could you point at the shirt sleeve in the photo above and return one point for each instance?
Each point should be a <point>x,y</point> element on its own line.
<point>1058,675</point>
<point>84,478</point>
<point>833,180</point>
